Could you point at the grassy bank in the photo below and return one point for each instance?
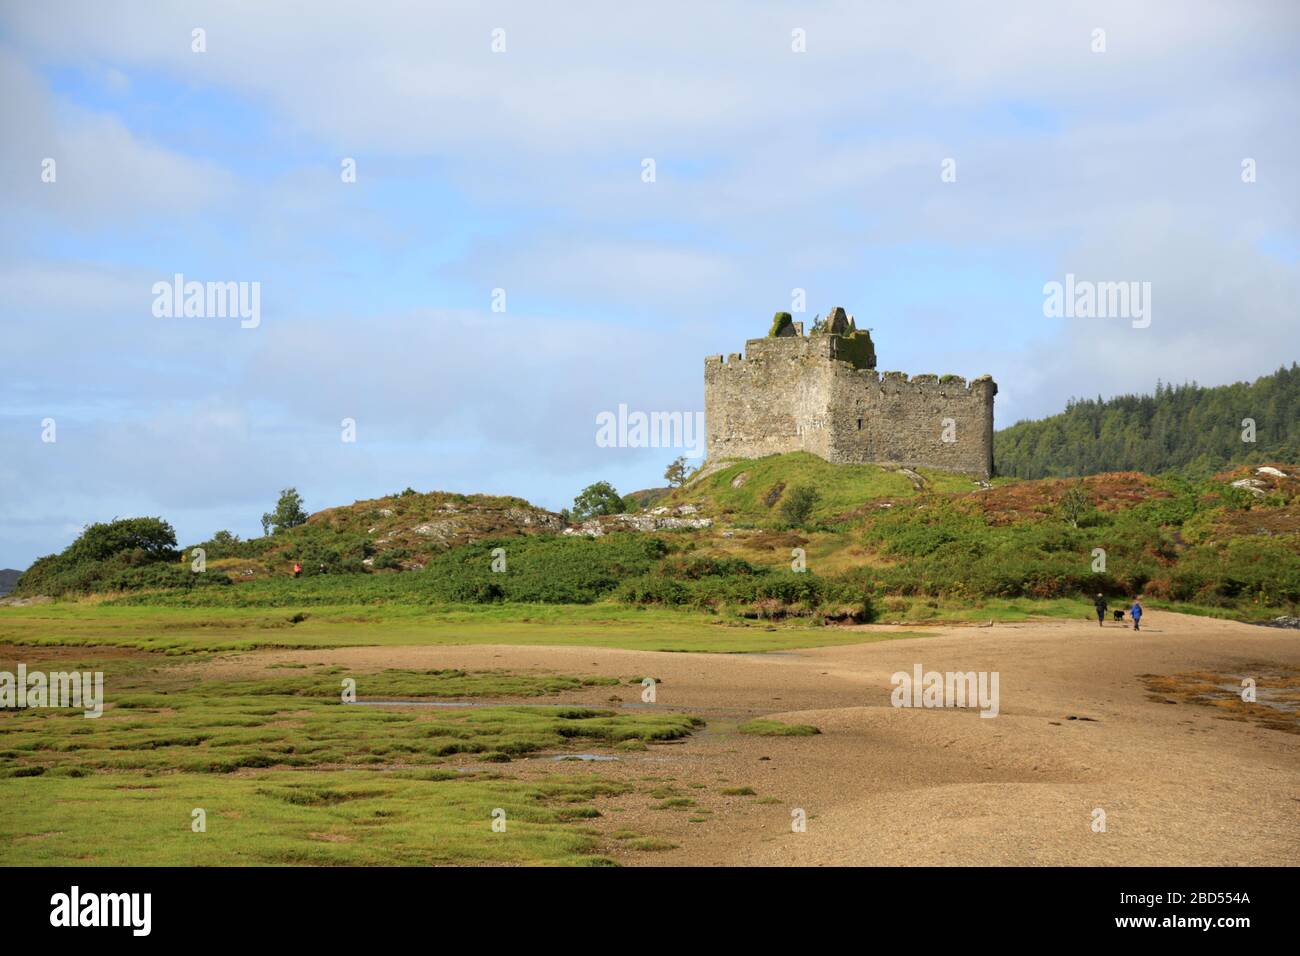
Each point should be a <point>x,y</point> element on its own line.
<point>192,630</point>
<point>746,491</point>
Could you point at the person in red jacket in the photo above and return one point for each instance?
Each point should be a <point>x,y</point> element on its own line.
<point>297,569</point>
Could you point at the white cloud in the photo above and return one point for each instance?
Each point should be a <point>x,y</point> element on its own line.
<point>775,170</point>
<point>105,177</point>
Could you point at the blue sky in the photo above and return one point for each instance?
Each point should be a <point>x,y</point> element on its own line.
<point>521,170</point>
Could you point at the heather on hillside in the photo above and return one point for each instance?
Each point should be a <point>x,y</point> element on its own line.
<point>1230,543</point>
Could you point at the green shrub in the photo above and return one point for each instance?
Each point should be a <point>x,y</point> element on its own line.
<point>223,544</point>
<point>596,500</point>
<point>392,558</point>
<point>124,554</point>
<point>322,549</point>
<point>653,589</point>
<point>288,513</point>
<point>797,505</point>
<point>151,536</point>
<point>780,322</point>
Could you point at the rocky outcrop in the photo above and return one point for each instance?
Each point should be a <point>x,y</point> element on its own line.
<point>1253,485</point>
<point>1262,480</point>
<point>657,519</point>
<point>415,521</point>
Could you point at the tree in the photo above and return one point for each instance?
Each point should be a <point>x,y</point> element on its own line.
<point>797,505</point>
<point>1181,428</point>
<point>288,513</point>
<point>675,473</point>
<point>597,499</point>
<point>153,536</point>
<point>1074,504</point>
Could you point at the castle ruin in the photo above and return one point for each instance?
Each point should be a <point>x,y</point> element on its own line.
<point>821,393</point>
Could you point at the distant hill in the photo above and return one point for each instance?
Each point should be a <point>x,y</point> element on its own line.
<point>1186,428</point>
<point>8,578</point>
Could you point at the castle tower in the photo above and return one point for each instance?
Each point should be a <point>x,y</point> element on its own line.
<point>821,393</point>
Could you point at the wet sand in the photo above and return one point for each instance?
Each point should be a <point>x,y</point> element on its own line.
<point>1178,783</point>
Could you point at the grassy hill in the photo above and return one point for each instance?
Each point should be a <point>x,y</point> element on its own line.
<point>747,491</point>
<point>878,544</point>
<point>397,532</point>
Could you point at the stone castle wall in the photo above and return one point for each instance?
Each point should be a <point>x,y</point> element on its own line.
<point>793,394</point>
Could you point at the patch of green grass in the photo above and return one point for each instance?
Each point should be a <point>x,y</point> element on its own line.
<point>294,818</point>
<point>739,792</point>
<point>774,728</point>
<point>401,684</point>
<point>319,782</point>
<point>154,723</point>
<point>194,733</point>
<point>840,488</point>
<point>675,803</point>
<point>918,610</point>
<point>180,631</point>
<point>921,610</point>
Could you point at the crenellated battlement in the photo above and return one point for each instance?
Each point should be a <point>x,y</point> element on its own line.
<point>821,393</point>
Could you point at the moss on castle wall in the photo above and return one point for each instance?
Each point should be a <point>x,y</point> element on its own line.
<point>857,349</point>
<point>780,322</point>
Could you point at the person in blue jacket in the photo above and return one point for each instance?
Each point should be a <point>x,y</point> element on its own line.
<point>1135,612</point>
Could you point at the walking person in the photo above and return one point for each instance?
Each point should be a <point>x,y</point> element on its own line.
<point>1135,612</point>
<point>1100,605</point>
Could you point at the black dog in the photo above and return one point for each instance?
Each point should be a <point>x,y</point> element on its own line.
<point>1119,615</point>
